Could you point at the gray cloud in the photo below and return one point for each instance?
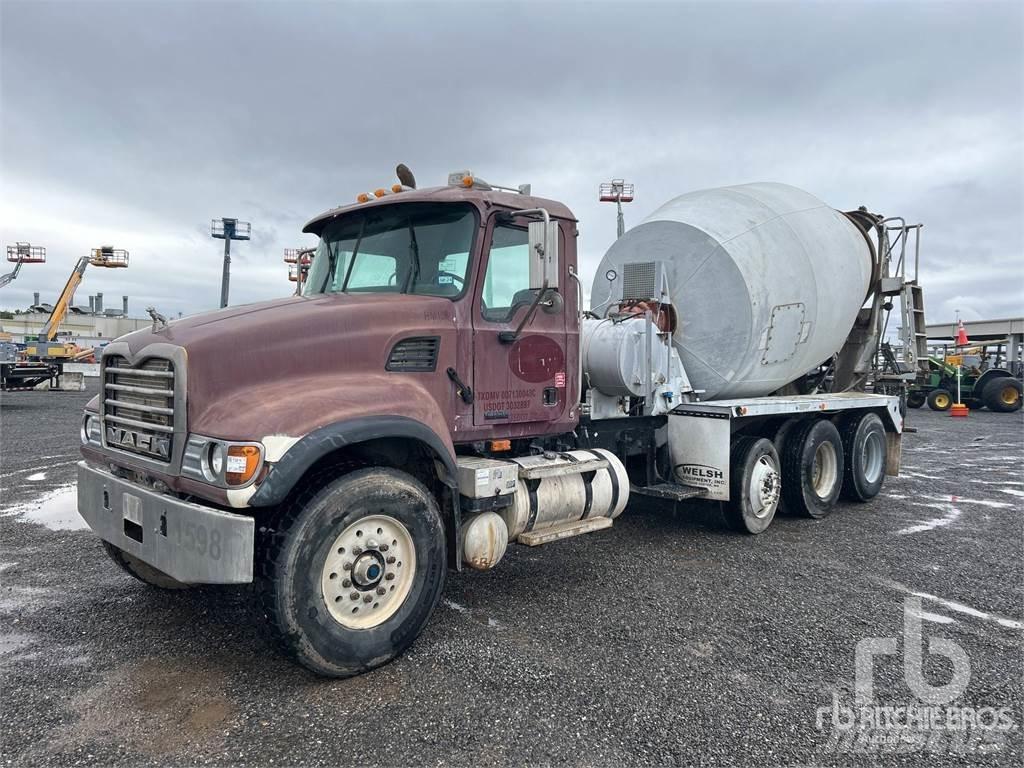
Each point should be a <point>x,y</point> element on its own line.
<point>136,123</point>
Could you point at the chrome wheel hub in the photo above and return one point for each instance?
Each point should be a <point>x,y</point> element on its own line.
<point>368,572</point>
<point>764,487</point>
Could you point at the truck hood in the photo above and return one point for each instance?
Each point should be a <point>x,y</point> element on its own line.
<point>297,342</point>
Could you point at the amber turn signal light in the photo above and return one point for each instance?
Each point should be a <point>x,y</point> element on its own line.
<point>243,461</point>
<point>501,445</point>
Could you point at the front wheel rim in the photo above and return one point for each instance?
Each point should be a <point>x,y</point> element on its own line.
<point>1009,396</point>
<point>368,572</point>
<point>942,401</point>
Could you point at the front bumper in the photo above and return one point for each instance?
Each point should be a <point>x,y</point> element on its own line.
<point>189,542</point>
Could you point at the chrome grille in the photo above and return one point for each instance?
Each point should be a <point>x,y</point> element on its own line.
<point>138,406</point>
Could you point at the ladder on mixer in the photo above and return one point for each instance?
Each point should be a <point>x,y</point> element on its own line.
<point>914,336</point>
<point>901,242</point>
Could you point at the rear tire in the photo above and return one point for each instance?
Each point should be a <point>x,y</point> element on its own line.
<point>144,572</point>
<point>915,399</point>
<point>812,469</point>
<point>754,485</point>
<point>331,579</point>
<point>1003,395</point>
<point>866,451</point>
<point>940,400</point>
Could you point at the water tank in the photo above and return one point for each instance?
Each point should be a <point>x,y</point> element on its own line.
<point>766,282</point>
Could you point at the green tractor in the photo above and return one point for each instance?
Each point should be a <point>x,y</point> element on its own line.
<point>993,388</point>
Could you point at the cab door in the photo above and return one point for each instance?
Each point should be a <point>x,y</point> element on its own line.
<point>520,382</point>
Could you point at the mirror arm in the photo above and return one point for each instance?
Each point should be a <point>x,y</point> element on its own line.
<point>507,337</point>
<point>542,212</point>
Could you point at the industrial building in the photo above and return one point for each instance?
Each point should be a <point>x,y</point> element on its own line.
<point>90,325</point>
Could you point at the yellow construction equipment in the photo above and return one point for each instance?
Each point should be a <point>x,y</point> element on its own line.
<point>45,347</point>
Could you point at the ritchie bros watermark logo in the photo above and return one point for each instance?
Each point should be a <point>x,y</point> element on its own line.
<point>935,719</point>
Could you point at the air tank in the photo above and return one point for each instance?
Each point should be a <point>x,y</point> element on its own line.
<point>766,281</point>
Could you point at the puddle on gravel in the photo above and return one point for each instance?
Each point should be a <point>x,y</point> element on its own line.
<point>13,642</point>
<point>165,706</point>
<point>57,510</point>
<point>22,599</point>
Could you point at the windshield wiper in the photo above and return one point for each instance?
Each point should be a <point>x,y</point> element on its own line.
<point>332,257</point>
<point>355,253</point>
<point>414,249</point>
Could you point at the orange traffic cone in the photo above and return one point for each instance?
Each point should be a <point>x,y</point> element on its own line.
<point>961,335</point>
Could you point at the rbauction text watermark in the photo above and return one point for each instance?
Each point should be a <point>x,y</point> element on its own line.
<point>935,719</point>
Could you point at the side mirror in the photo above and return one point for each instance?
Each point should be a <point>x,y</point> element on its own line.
<point>544,261</point>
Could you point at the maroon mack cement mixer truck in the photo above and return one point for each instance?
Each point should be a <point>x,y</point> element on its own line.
<point>437,392</point>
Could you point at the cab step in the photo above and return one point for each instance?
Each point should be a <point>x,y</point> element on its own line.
<point>669,491</point>
<point>564,530</point>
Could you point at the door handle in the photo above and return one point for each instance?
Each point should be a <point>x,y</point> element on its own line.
<point>465,392</point>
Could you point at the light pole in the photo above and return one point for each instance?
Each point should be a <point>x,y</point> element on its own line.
<point>228,230</point>
<point>617,191</point>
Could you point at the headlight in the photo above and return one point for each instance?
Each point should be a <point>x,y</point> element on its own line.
<point>224,464</point>
<point>90,432</point>
<point>217,459</point>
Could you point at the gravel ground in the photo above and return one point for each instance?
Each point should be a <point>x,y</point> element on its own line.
<point>664,640</point>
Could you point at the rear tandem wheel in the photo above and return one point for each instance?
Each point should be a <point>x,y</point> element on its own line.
<point>866,452</point>
<point>812,468</point>
<point>754,485</point>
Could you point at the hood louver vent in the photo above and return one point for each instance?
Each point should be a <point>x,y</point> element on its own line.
<point>414,355</point>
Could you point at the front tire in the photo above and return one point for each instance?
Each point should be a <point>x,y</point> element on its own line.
<point>354,572</point>
<point>865,452</point>
<point>915,399</point>
<point>812,469</point>
<point>754,485</point>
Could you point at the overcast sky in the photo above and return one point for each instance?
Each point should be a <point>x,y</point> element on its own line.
<point>136,123</point>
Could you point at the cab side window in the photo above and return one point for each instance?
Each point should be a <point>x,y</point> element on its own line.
<point>507,279</point>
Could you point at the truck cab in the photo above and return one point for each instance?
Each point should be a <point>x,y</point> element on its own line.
<point>431,323</point>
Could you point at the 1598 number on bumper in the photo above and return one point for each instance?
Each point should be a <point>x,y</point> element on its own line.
<point>189,542</point>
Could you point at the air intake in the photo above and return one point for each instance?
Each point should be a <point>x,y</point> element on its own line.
<point>414,355</point>
<point>639,281</point>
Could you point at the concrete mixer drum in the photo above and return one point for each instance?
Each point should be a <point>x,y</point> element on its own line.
<point>767,282</point>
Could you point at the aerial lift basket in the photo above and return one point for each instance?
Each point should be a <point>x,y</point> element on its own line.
<point>26,253</point>
<point>108,256</point>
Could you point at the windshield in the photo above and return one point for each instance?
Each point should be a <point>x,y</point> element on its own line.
<point>403,248</point>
